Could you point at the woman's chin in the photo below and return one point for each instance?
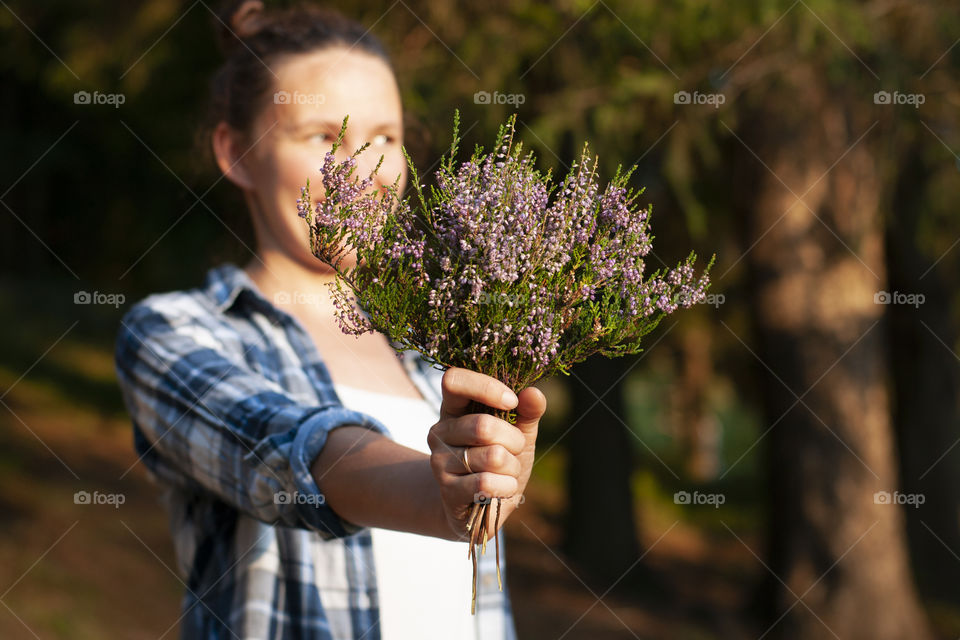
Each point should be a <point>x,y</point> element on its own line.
<point>319,267</point>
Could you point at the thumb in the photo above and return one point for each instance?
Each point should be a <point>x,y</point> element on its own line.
<point>530,408</point>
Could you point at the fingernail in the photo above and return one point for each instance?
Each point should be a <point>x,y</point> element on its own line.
<point>510,398</point>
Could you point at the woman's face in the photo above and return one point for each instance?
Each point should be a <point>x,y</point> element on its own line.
<point>298,126</point>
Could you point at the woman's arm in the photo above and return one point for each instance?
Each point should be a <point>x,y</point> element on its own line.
<point>371,480</point>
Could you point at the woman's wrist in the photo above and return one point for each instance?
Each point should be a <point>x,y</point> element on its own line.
<point>372,481</point>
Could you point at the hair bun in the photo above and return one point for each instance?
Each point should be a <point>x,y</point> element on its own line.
<point>239,21</point>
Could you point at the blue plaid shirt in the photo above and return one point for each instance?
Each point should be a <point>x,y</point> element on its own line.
<point>231,402</point>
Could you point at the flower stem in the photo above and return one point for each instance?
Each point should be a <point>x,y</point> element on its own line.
<point>478,523</point>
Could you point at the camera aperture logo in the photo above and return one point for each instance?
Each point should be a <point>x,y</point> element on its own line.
<point>483,498</point>
<point>912,99</point>
<point>712,299</point>
<point>912,499</point>
<point>508,299</point>
<point>485,97</point>
<point>286,97</point>
<point>285,497</point>
<point>686,497</point>
<point>113,99</point>
<point>686,97</point>
<point>298,297</point>
<point>96,297</point>
<point>112,499</point>
<point>912,299</point>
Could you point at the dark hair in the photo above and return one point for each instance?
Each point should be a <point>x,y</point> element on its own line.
<point>252,37</point>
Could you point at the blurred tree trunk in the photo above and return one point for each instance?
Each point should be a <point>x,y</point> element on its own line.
<point>600,529</point>
<point>831,545</point>
<point>697,429</point>
<point>926,378</point>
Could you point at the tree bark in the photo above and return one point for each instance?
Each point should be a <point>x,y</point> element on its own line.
<point>600,528</point>
<point>833,548</point>
<point>926,377</point>
<point>696,428</point>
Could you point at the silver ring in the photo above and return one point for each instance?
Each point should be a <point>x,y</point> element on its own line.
<point>466,463</point>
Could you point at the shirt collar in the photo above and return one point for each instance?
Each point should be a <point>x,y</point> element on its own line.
<point>225,283</point>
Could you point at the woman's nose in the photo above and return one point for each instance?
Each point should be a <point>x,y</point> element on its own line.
<point>368,160</point>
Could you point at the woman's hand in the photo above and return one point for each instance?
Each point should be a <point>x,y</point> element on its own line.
<point>500,454</point>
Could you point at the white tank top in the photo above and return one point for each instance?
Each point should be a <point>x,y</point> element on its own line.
<point>424,583</point>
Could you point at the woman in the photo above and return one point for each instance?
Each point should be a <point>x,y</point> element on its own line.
<point>318,486</point>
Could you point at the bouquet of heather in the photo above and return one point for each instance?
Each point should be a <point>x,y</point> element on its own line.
<point>495,268</point>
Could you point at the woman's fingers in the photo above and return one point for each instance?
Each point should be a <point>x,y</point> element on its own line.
<point>493,458</point>
<point>476,430</point>
<point>461,386</point>
<point>500,455</point>
<point>465,489</point>
<point>531,407</point>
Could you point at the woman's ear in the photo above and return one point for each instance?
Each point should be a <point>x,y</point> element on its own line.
<point>228,150</point>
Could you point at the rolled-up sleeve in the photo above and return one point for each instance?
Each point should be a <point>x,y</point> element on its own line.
<point>206,420</point>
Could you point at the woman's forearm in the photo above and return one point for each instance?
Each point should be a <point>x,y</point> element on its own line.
<point>370,480</point>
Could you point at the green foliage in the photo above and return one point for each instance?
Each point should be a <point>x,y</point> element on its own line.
<point>484,270</point>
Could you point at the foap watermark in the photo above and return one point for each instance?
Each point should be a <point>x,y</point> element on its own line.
<point>286,97</point>
<point>297,297</point>
<point>98,297</point>
<point>483,498</point>
<point>285,497</point>
<point>112,499</point>
<point>886,297</point>
<point>686,497</point>
<point>112,99</point>
<point>508,299</point>
<point>886,97</point>
<point>485,97</point>
<point>686,97</point>
<point>911,499</point>
<point>712,299</point>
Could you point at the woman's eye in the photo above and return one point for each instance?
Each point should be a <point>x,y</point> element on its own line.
<point>319,138</point>
<point>381,139</point>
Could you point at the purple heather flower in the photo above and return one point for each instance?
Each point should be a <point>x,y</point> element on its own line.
<point>490,271</point>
